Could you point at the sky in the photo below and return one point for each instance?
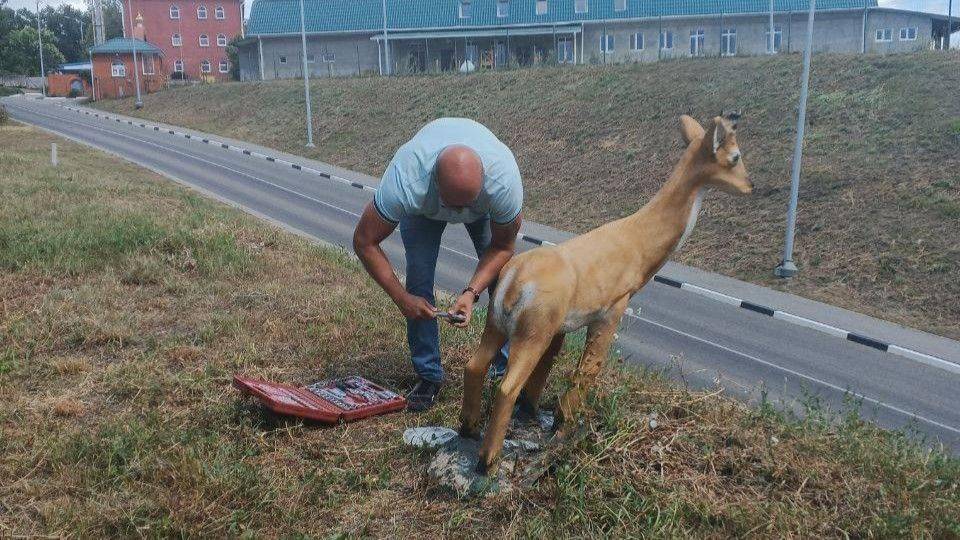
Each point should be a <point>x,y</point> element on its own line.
<point>935,6</point>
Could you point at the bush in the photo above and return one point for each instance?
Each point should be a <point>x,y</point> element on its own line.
<point>9,90</point>
<point>4,116</point>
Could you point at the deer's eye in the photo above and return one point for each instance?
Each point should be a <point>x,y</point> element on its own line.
<point>734,157</point>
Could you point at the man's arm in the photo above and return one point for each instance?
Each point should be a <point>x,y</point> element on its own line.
<point>502,242</point>
<point>370,232</point>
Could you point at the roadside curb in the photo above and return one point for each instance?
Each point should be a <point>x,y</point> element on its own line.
<point>860,339</point>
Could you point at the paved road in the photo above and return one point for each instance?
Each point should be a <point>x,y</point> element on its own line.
<point>704,339</point>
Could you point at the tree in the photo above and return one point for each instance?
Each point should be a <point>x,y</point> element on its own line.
<point>69,25</point>
<point>233,54</point>
<point>7,24</point>
<point>20,52</point>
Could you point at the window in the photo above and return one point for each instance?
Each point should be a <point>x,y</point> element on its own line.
<point>503,8</point>
<point>666,40</point>
<point>329,57</point>
<point>148,66</point>
<point>908,34</point>
<point>565,50</point>
<point>221,40</point>
<point>205,66</point>
<point>581,6</point>
<point>541,7</point>
<point>471,52</point>
<point>606,43</point>
<point>176,40</point>
<point>117,69</point>
<point>884,34</point>
<point>202,12</point>
<point>219,13</point>
<point>224,66</point>
<point>311,58</point>
<point>174,12</point>
<point>619,5</point>
<point>636,41</point>
<point>178,66</point>
<point>283,59</point>
<point>696,42</point>
<point>465,9</point>
<point>728,42</point>
<point>777,38</point>
<point>204,40</point>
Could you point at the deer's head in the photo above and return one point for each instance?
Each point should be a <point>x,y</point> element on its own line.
<point>717,155</point>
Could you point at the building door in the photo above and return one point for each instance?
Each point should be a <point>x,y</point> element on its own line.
<point>417,61</point>
<point>565,50</point>
<point>447,60</point>
<point>500,55</point>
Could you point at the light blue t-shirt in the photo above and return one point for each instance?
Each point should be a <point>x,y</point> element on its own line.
<point>409,186</point>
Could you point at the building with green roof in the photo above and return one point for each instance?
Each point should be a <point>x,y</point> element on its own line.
<point>349,37</point>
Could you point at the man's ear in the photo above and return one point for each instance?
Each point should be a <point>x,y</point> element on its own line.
<point>720,131</point>
<point>690,129</point>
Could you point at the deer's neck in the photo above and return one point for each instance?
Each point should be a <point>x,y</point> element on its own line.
<point>665,223</point>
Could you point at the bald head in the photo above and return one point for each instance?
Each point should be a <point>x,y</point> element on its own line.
<point>459,175</point>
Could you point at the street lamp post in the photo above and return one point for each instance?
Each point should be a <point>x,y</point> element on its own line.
<point>43,72</point>
<point>386,44</point>
<point>787,268</point>
<point>306,76</point>
<point>136,72</point>
<point>771,47</point>
<point>949,23</point>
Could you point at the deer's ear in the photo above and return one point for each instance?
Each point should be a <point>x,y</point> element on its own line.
<point>720,132</point>
<point>690,129</point>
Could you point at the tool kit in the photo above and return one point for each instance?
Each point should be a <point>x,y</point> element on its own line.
<point>331,402</point>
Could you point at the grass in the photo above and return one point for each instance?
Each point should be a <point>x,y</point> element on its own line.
<point>595,142</point>
<point>9,90</point>
<point>128,303</point>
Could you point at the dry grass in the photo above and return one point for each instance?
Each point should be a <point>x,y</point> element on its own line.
<point>880,195</point>
<point>117,343</point>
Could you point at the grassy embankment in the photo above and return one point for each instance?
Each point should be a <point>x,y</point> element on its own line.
<point>880,196</point>
<point>128,302</point>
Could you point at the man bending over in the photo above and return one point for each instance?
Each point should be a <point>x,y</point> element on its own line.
<point>454,170</point>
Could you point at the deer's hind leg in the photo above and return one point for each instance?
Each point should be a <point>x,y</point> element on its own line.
<point>474,374</point>
<point>599,337</point>
<point>525,353</point>
<point>533,390</point>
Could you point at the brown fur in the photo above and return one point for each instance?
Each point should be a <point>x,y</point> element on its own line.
<point>588,281</point>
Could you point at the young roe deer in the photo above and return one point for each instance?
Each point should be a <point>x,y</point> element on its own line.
<point>587,281</point>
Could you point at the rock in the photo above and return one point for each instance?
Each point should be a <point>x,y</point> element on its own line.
<point>428,437</point>
<point>454,465</point>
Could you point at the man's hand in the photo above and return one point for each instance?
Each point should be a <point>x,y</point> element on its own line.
<point>416,307</point>
<point>464,308</point>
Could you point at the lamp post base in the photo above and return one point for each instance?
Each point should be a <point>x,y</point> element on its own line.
<point>786,269</point>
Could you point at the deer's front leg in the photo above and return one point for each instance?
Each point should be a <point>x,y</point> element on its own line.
<point>525,353</point>
<point>474,375</point>
<point>599,336</point>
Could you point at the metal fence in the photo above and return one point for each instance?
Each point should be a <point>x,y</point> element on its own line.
<point>21,81</point>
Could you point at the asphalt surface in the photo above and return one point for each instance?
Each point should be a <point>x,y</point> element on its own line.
<point>697,340</point>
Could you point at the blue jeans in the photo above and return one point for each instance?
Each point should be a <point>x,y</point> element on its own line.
<point>421,240</point>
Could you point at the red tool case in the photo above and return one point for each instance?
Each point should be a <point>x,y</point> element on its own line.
<point>330,402</point>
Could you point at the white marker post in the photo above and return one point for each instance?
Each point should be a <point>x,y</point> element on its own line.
<point>53,154</point>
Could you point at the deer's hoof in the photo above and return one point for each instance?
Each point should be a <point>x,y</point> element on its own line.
<point>485,468</point>
<point>467,432</point>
